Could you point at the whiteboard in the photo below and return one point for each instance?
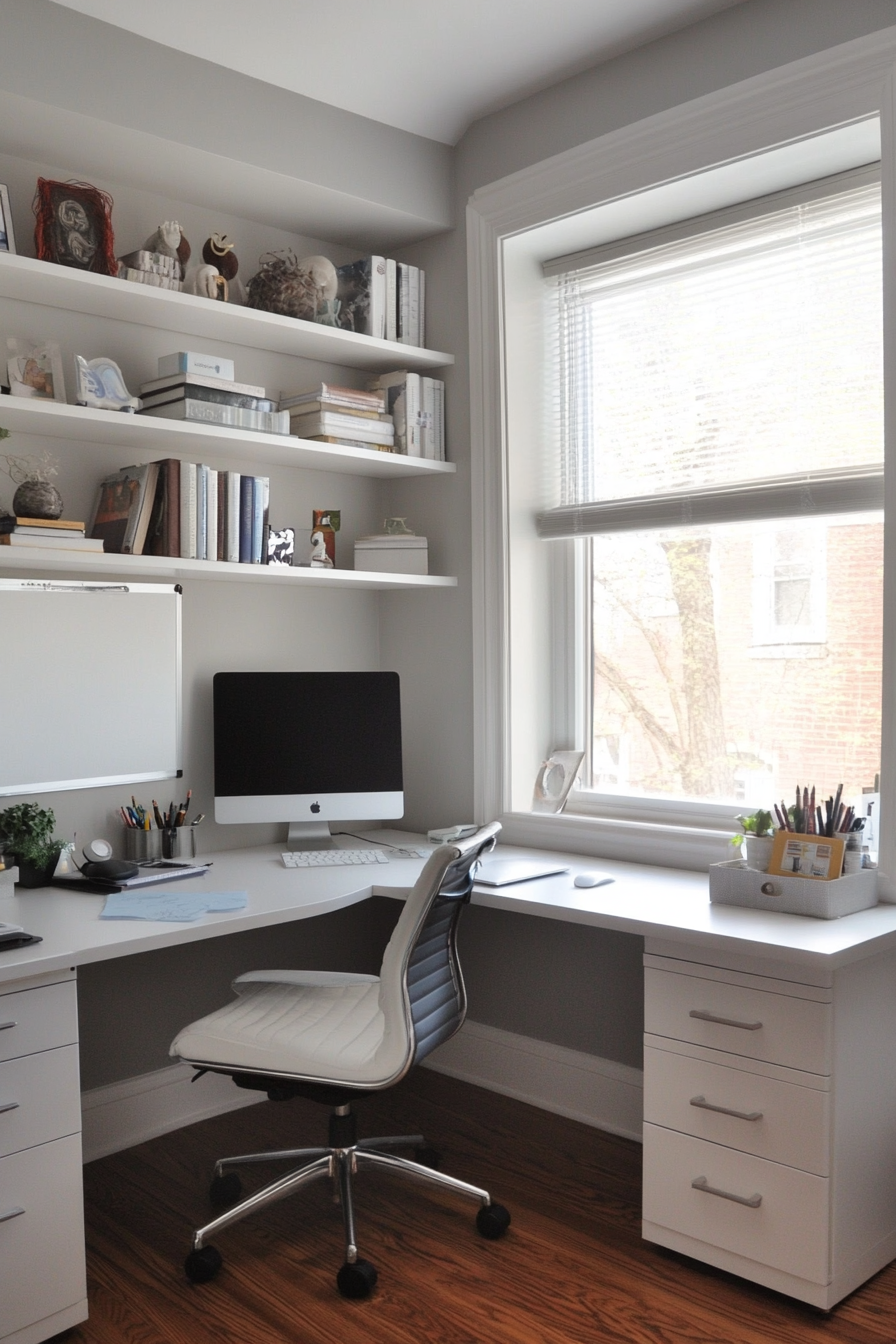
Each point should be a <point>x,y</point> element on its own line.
<point>90,684</point>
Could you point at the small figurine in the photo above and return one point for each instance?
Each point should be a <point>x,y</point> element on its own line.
<point>319,559</point>
<point>169,241</point>
<point>99,383</point>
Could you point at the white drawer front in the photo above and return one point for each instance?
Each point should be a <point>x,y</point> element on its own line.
<point>38,1019</point>
<point>39,1098</point>
<point>788,1229</point>
<point>741,1020</point>
<point>772,1119</point>
<point>42,1248</point>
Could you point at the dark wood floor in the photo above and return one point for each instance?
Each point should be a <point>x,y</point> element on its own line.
<point>571,1269</point>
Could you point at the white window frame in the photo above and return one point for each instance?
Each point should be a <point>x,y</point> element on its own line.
<point>804,121</point>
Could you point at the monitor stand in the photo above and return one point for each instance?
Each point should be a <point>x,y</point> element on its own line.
<point>309,835</point>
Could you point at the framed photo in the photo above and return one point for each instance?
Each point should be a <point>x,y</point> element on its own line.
<point>795,855</point>
<point>35,370</point>
<point>74,226</point>
<point>7,238</point>
<point>554,780</point>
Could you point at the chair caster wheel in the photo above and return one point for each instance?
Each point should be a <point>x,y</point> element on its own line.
<point>492,1221</point>
<point>201,1266</point>
<point>428,1157</point>
<point>357,1280</point>
<point>225,1190</point>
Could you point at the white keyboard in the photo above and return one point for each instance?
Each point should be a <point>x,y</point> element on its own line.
<point>331,858</point>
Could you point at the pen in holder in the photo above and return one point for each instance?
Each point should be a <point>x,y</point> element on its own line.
<point>142,846</point>
<point>178,842</point>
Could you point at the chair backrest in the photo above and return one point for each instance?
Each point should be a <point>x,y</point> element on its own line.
<point>421,986</point>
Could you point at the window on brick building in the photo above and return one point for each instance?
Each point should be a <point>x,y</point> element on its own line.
<point>720,411</point>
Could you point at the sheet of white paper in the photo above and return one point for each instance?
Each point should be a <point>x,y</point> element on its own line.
<point>171,906</point>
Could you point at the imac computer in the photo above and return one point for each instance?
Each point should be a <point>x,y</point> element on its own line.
<point>307,748</point>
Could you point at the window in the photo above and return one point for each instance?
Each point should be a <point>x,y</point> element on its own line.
<point>721,458</point>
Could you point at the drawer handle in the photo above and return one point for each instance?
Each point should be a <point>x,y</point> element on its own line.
<point>8,1106</point>
<point>5,1026</point>
<point>10,1213</point>
<point>705,1105</point>
<point>701,1183</point>
<point>704,1016</point>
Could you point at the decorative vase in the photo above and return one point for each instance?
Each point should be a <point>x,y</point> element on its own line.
<point>37,499</point>
<point>758,851</point>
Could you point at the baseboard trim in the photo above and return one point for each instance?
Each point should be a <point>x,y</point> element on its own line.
<point>123,1114</point>
<point>595,1091</point>
<point>582,1087</point>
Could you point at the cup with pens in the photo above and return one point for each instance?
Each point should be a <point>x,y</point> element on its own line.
<point>174,837</point>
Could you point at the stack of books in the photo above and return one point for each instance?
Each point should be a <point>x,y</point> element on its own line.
<point>185,390</point>
<point>47,533</point>
<point>417,407</point>
<point>342,415</point>
<point>385,298</point>
<point>151,268</point>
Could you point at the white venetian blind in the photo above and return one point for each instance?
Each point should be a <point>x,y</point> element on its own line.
<point>724,369</point>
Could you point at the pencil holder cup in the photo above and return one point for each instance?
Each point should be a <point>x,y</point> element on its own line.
<point>179,843</point>
<point>142,845</point>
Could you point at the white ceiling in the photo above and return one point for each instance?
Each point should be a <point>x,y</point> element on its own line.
<point>426,66</point>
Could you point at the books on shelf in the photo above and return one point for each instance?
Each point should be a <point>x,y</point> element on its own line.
<point>206,514</point>
<point>178,380</point>
<point>216,395</point>
<point>378,430</point>
<point>382,297</point>
<point>124,507</point>
<point>233,417</point>
<point>51,541</point>
<point>417,406</point>
<point>50,527</point>
<point>329,396</point>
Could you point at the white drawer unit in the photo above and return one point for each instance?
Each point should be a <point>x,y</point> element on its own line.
<point>42,1266</point>
<point>758,1153</point>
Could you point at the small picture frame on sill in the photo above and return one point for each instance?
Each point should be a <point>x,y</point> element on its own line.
<point>816,856</point>
<point>7,237</point>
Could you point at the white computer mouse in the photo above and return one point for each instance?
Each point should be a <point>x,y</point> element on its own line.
<point>590,879</point>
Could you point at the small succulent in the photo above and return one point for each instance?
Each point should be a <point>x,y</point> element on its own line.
<point>756,823</point>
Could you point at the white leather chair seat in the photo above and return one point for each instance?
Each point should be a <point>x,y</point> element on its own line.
<point>331,1028</point>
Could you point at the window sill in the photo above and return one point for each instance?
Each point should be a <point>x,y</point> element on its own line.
<point>628,841</point>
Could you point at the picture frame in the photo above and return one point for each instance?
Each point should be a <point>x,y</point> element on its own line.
<point>7,236</point>
<point>35,369</point>
<point>818,857</point>
<point>555,779</point>
<point>74,226</point>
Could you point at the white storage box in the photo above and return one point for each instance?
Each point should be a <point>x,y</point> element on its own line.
<point>733,883</point>
<point>393,554</point>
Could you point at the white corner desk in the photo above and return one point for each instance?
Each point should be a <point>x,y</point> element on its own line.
<point>769,1067</point>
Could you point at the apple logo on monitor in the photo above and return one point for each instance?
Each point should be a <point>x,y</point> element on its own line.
<point>315,807</point>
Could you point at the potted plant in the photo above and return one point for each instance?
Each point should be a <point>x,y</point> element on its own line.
<point>27,830</point>
<point>756,840</point>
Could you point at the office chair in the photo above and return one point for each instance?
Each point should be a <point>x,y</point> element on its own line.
<point>334,1037</point>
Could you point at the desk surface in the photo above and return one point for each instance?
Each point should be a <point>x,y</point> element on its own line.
<point>665,903</point>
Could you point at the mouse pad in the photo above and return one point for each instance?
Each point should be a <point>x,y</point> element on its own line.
<point>504,872</point>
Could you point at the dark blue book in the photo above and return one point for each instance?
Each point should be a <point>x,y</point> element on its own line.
<point>247,514</point>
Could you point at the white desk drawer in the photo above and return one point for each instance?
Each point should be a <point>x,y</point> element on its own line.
<point>787,1228</point>
<point>39,1098</point>
<point>41,1248</point>
<point>38,1019</point>
<point>773,1119</point>
<point>780,1028</point>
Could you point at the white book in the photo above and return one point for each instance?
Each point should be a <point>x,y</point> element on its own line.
<point>211,513</point>
<point>404,303</point>
<point>421,310</point>
<point>391,300</point>
<point>232,531</point>
<point>179,380</point>
<point>413,305</point>
<point>188,510</point>
<point>201,510</point>
<point>235,417</point>
<point>413,397</point>
<point>439,417</point>
<point>427,418</point>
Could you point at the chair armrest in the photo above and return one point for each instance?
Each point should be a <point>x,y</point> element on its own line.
<point>319,979</point>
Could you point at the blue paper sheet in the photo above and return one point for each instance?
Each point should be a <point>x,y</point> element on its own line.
<point>171,906</point>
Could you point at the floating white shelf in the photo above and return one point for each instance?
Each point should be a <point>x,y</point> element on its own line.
<point>104,296</point>
<point>153,437</point>
<point>120,568</point>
